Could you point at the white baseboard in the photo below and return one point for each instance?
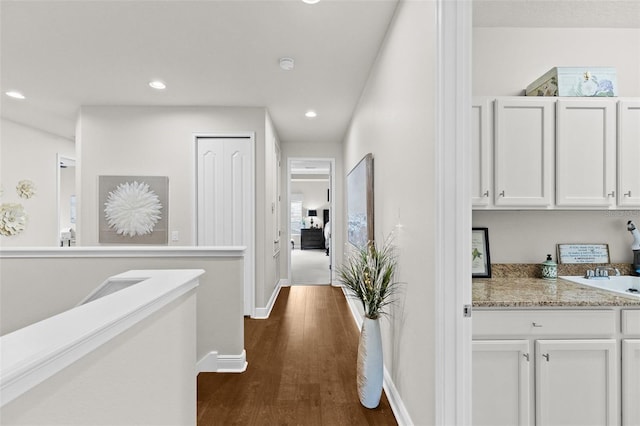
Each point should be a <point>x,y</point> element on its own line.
<point>263,313</point>
<point>215,363</point>
<point>397,406</point>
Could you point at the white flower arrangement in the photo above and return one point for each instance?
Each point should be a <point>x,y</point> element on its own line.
<point>13,219</point>
<point>132,209</point>
<point>26,189</point>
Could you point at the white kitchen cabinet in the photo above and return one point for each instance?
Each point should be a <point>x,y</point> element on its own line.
<point>631,382</point>
<point>482,151</point>
<point>547,366</point>
<point>576,382</point>
<point>502,383</point>
<point>586,153</point>
<point>523,152</point>
<point>629,153</point>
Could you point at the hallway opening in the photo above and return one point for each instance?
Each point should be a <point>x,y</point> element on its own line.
<point>310,218</point>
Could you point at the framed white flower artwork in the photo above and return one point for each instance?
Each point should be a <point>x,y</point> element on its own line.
<point>133,209</point>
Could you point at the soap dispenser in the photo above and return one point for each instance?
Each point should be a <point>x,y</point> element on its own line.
<point>549,269</point>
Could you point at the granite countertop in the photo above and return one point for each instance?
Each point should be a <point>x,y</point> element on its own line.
<point>514,292</point>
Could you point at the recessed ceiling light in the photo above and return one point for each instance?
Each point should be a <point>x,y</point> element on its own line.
<point>310,1</point>
<point>15,95</point>
<point>287,64</point>
<point>310,114</point>
<point>158,84</point>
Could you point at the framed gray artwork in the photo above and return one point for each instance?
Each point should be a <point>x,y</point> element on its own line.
<point>133,209</point>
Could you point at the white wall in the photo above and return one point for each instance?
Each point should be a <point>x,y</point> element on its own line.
<point>159,141</point>
<point>27,153</point>
<point>395,121</point>
<point>143,376</point>
<point>524,54</point>
<point>507,60</point>
<point>268,254</point>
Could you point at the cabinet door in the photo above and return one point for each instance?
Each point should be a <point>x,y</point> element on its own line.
<point>629,153</point>
<point>502,383</point>
<point>631,382</point>
<point>481,140</point>
<point>576,383</point>
<point>586,153</point>
<point>523,152</point>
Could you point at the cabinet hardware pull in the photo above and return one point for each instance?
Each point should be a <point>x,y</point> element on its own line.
<point>486,193</point>
<point>501,194</point>
<point>546,356</point>
<point>535,324</point>
<point>627,194</point>
<point>526,356</point>
<point>612,194</point>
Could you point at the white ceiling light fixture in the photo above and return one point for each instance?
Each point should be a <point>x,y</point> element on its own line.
<point>158,84</point>
<point>310,1</point>
<point>15,95</point>
<point>287,64</point>
<point>311,114</point>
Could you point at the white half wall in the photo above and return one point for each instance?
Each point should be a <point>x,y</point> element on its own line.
<point>143,376</point>
<point>36,286</point>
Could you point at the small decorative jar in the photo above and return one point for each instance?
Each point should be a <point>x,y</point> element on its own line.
<point>549,269</point>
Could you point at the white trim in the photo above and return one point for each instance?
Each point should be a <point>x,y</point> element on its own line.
<point>214,363</point>
<point>121,251</point>
<point>263,313</point>
<point>393,396</point>
<point>36,352</point>
<point>453,214</point>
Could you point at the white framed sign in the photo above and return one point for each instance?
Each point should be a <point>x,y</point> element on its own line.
<point>583,253</point>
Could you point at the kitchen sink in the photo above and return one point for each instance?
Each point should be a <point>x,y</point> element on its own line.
<point>624,284</point>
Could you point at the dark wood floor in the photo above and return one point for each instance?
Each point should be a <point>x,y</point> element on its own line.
<point>301,368</point>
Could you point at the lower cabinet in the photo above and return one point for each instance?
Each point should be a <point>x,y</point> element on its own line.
<point>549,368</point>
<point>631,382</point>
<point>576,382</point>
<point>502,383</point>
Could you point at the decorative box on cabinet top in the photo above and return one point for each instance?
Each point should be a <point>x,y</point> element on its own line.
<point>575,81</point>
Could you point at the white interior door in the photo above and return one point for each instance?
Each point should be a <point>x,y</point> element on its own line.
<point>225,199</point>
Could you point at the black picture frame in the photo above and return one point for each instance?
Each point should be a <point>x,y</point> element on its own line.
<point>480,253</point>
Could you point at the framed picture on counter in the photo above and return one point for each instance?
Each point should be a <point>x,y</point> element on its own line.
<point>480,257</point>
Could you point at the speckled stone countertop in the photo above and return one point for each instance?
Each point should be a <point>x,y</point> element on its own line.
<point>522,291</point>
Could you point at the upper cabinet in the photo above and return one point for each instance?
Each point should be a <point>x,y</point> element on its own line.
<point>585,153</point>
<point>482,146</point>
<point>523,152</point>
<point>629,153</point>
<point>563,153</point>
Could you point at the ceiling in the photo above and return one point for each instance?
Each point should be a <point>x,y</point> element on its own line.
<point>64,54</point>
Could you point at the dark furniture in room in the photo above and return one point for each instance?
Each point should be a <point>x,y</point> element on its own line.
<point>311,238</point>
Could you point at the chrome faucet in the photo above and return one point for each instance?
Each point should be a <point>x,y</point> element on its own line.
<point>601,272</point>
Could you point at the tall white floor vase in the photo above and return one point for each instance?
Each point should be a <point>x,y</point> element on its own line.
<point>370,367</point>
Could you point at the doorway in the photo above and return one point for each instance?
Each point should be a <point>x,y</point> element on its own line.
<point>311,214</point>
<point>225,199</point>
<point>66,186</point>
